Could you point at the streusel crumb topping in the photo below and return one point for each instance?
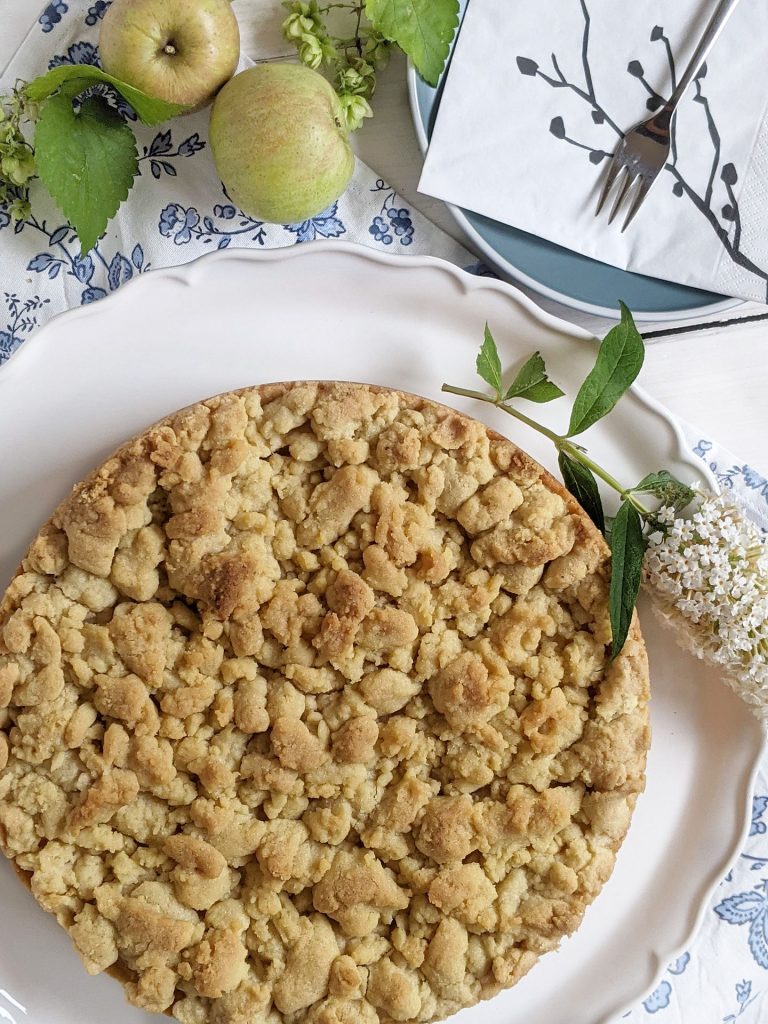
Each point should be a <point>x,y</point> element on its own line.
<point>307,715</point>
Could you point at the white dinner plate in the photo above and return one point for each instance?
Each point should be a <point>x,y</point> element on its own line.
<point>96,376</point>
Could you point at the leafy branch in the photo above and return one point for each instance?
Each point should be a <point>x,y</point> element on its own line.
<point>84,151</point>
<point>361,38</point>
<point>619,361</point>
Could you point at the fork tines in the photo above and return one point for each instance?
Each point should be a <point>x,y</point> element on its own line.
<point>627,184</point>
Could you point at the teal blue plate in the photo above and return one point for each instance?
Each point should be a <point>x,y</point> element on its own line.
<point>568,277</point>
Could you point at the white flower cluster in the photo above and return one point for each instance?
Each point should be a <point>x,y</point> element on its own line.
<point>708,577</point>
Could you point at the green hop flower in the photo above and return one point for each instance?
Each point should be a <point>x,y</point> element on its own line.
<point>311,51</point>
<point>18,167</point>
<point>19,209</point>
<point>350,80</point>
<point>377,50</point>
<point>305,8</point>
<point>17,158</point>
<point>358,78</point>
<point>297,26</point>
<point>304,19</point>
<point>27,165</point>
<point>355,109</point>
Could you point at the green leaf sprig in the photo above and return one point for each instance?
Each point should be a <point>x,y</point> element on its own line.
<point>17,158</point>
<point>84,151</point>
<point>353,39</point>
<point>619,360</point>
<point>149,110</point>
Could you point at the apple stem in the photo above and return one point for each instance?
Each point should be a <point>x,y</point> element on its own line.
<point>170,49</point>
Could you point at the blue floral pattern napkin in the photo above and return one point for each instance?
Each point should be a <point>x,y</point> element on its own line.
<point>178,211</point>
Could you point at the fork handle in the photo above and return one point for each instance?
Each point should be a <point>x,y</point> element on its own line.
<point>722,13</point>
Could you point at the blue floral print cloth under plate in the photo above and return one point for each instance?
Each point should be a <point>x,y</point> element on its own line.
<point>178,211</point>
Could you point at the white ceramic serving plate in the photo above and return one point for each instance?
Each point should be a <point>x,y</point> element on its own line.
<point>94,377</point>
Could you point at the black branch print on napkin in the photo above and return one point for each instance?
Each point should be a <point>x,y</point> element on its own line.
<point>725,222</point>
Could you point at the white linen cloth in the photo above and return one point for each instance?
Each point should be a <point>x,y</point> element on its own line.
<point>538,94</point>
<point>174,215</point>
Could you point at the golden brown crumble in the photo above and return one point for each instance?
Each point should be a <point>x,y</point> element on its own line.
<point>306,713</point>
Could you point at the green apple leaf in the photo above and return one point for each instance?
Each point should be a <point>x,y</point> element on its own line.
<point>86,159</point>
<point>149,110</point>
<point>424,29</point>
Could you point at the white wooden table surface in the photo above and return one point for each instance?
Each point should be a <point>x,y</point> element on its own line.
<point>716,379</point>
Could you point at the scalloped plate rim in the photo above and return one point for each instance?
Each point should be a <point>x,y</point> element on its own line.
<point>468,282</point>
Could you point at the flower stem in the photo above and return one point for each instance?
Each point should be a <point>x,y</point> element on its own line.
<point>556,439</point>
<point>579,455</point>
<point>561,443</point>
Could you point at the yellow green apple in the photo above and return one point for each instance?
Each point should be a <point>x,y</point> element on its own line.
<point>181,51</point>
<point>279,142</point>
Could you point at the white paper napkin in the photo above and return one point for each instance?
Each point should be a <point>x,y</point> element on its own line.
<point>537,95</point>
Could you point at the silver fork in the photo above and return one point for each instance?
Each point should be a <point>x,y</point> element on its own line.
<point>643,152</point>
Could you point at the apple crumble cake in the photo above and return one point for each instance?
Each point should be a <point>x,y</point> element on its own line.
<point>307,712</point>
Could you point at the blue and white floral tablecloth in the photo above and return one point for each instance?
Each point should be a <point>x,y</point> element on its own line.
<point>178,211</point>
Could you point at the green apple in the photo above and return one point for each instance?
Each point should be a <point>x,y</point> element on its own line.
<point>181,51</point>
<point>279,142</point>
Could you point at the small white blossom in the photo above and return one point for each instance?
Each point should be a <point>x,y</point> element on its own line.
<point>708,577</point>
